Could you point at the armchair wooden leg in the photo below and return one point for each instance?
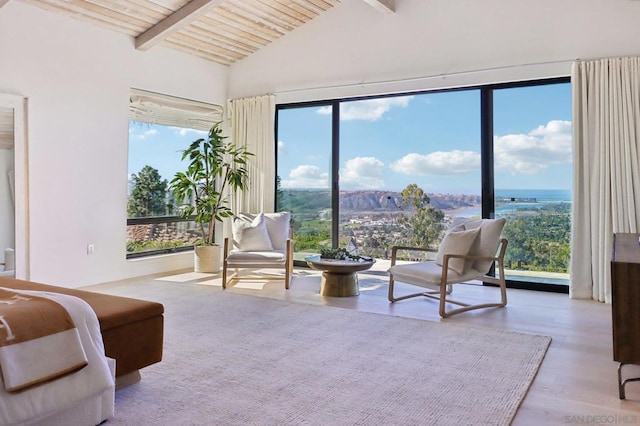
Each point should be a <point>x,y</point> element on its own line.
<point>443,299</point>
<point>288,263</point>
<point>287,276</point>
<point>390,295</point>
<point>225,263</point>
<point>224,274</point>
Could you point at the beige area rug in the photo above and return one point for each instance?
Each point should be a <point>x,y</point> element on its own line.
<point>243,360</point>
<point>214,280</point>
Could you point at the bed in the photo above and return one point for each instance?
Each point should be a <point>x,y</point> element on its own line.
<point>82,397</point>
<point>132,329</point>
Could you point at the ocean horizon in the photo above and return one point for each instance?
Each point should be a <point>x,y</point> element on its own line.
<point>522,198</point>
<point>540,195</point>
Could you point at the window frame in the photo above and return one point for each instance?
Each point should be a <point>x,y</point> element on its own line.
<point>486,152</point>
<point>171,111</point>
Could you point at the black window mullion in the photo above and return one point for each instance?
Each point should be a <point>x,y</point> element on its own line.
<point>276,207</point>
<point>486,152</point>
<point>335,175</point>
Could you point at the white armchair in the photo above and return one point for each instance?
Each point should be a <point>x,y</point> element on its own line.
<point>467,252</point>
<point>260,241</point>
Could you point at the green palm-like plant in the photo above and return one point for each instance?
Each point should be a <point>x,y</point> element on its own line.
<point>215,166</point>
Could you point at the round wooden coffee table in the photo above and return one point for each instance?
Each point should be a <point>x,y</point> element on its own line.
<point>339,277</point>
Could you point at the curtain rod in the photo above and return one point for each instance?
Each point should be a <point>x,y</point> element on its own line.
<point>429,77</point>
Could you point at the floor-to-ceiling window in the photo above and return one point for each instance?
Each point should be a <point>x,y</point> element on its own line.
<point>304,174</point>
<point>533,179</point>
<point>399,168</point>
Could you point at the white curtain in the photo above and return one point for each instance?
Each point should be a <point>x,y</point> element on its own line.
<point>6,128</point>
<point>606,188</point>
<point>252,126</point>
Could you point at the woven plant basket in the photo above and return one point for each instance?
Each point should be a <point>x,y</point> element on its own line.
<point>206,259</point>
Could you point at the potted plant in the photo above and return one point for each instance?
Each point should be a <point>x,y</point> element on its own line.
<point>216,168</point>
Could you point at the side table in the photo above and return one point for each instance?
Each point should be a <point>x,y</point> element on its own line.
<point>339,277</point>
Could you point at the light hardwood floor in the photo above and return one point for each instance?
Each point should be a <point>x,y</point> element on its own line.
<point>577,382</point>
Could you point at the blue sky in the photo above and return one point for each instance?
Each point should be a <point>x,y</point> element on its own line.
<point>432,140</point>
<point>159,147</point>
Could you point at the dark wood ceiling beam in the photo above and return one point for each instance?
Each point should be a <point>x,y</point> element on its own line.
<point>174,22</point>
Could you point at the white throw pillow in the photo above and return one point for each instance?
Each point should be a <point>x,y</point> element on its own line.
<point>457,224</point>
<point>457,242</point>
<point>251,235</point>
<point>278,228</point>
<point>487,243</point>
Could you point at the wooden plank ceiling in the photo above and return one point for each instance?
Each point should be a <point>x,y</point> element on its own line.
<point>223,31</point>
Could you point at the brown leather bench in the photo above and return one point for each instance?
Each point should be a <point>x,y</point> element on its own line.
<point>132,329</point>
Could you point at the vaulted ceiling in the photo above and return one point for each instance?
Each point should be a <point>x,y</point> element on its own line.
<point>222,31</point>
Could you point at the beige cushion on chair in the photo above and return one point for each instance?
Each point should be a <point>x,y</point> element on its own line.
<point>256,256</point>
<point>428,274</point>
<point>487,242</point>
<point>457,242</point>
<point>251,235</point>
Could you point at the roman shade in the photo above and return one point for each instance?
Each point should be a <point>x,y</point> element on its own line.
<point>155,108</point>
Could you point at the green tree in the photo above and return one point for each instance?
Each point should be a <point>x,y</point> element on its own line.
<point>148,197</point>
<point>279,195</point>
<point>422,224</point>
<point>540,241</point>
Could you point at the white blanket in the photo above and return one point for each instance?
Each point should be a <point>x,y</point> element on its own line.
<point>38,341</point>
<point>31,405</point>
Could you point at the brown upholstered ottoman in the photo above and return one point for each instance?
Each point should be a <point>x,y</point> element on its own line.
<point>132,329</point>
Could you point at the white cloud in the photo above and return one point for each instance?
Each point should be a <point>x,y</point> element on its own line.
<point>367,109</point>
<point>306,176</point>
<point>438,163</point>
<point>524,154</point>
<point>325,110</point>
<point>362,172</point>
<point>532,153</point>
<point>142,135</point>
<point>185,132</point>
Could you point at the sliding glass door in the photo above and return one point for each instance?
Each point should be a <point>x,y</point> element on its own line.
<point>533,179</point>
<point>304,165</point>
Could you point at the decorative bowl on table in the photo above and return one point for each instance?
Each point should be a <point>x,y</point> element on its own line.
<point>342,254</point>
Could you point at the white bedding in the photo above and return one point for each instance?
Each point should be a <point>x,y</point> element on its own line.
<point>30,406</point>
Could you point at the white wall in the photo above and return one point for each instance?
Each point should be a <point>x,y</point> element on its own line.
<point>77,78</point>
<point>353,43</point>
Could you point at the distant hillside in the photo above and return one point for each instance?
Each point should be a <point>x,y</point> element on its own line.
<point>369,200</point>
<point>300,200</point>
